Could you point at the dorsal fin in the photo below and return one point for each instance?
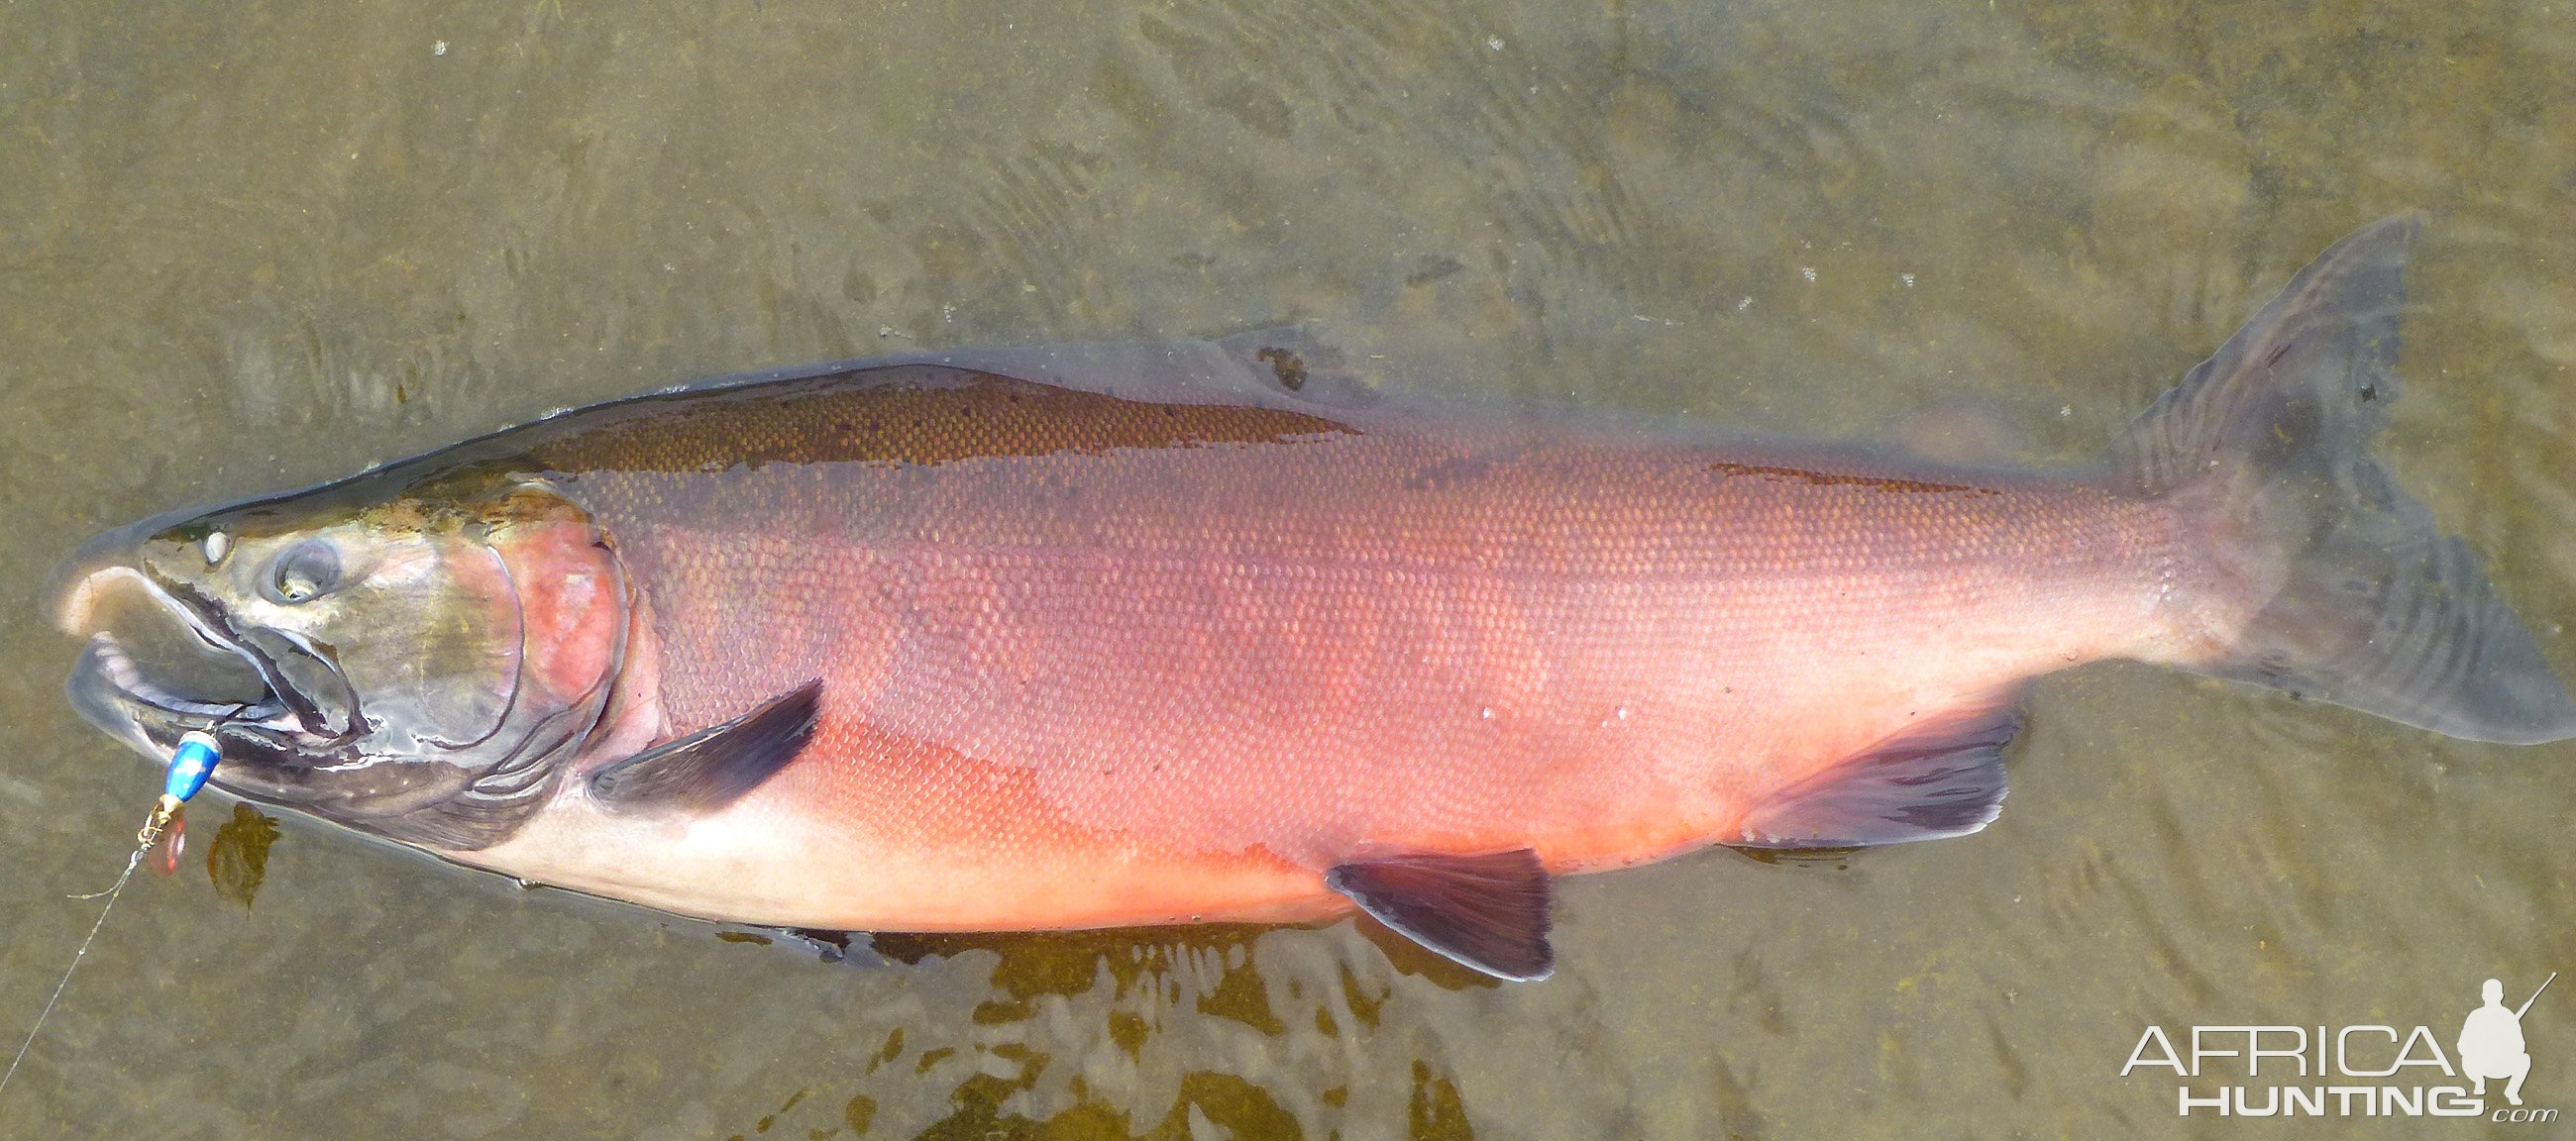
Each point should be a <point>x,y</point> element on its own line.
<point>1489,912</point>
<point>713,767</point>
<point>1943,778</point>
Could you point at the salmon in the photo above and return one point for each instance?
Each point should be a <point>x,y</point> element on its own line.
<point>1109,637</point>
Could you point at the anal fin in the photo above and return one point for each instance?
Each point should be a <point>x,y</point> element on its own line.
<point>1941,779</point>
<point>714,767</point>
<point>1489,912</point>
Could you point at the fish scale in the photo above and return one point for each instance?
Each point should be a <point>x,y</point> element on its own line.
<point>1310,650</point>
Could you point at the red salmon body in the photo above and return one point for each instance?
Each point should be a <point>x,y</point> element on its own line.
<point>1109,636</point>
<point>1123,682</point>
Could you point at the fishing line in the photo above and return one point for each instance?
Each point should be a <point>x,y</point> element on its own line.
<point>189,768</point>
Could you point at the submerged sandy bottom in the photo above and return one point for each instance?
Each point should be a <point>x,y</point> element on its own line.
<point>242,249</point>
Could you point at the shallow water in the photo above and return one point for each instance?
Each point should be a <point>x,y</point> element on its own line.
<point>247,247</point>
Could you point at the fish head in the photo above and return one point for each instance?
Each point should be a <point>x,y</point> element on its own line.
<point>417,663</point>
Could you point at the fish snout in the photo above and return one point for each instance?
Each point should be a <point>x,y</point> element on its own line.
<point>81,583</point>
<point>162,657</point>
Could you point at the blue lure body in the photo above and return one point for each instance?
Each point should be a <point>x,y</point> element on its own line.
<point>190,766</point>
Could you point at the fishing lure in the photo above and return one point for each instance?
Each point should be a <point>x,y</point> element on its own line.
<point>190,765</point>
<point>189,768</point>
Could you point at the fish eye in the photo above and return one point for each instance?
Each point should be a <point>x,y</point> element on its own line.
<point>302,573</point>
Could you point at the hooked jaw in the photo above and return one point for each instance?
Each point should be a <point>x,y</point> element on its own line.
<point>162,660</point>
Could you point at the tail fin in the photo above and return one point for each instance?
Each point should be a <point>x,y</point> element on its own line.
<point>2374,609</point>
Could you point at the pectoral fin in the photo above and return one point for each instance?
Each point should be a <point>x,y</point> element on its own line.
<point>1489,912</point>
<point>1944,778</point>
<point>713,767</point>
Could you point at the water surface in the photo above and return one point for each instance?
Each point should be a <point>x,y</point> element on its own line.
<point>244,247</point>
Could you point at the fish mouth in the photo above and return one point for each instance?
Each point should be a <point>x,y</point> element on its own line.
<point>183,664</point>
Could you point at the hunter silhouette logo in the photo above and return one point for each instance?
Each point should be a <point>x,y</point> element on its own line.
<point>2491,1041</point>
